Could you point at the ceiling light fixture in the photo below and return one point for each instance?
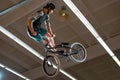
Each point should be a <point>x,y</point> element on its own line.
<point>14,72</point>
<point>65,73</point>
<point>87,24</point>
<point>63,15</point>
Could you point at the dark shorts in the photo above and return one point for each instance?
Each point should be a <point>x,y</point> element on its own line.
<point>40,35</point>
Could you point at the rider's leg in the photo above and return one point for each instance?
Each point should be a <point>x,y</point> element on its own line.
<point>50,40</point>
<point>45,42</point>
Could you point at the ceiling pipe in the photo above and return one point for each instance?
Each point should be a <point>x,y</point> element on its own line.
<point>14,7</point>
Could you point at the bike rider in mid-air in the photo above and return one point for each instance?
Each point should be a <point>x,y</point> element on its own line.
<point>39,32</point>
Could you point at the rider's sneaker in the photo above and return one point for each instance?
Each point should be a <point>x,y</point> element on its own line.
<point>47,46</point>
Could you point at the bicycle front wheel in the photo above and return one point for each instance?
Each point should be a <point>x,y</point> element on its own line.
<point>78,52</point>
<point>51,65</point>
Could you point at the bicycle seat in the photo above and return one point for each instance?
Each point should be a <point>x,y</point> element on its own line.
<point>60,51</point>
<point>64,43</point>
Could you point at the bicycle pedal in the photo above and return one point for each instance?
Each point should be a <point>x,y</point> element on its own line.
<point>67,59</point>
<point>65,54</point>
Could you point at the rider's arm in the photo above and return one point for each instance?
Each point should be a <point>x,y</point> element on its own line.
<point>31,19</point>
<point>48,26</point>
<point>30,25</point>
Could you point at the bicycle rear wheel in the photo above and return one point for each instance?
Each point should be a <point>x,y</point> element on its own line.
<point>78,52</point>
<point>51,65</point>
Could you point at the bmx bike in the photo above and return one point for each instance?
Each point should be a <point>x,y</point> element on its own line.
<point>51,62</point>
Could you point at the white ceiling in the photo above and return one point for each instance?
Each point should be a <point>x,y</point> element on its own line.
<point>104,15</point>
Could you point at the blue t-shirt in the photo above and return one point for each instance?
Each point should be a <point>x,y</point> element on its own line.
<point>37,23</point>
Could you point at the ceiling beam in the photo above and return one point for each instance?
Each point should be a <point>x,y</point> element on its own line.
<point>13,7</point>
<point>15,1</point>
<point>13,58</point>
<point>108,3</point>
<point>19,48</point>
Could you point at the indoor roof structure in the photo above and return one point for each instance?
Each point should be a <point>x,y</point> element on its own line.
<point>103,15</point>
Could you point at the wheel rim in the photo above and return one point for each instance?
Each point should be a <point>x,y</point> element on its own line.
<point>51,65</point>
<point>81,52</point>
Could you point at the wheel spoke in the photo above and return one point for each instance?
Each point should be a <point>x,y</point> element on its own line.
<point>51,65</point>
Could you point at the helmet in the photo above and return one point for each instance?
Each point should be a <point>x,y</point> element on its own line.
<point>51,5</point>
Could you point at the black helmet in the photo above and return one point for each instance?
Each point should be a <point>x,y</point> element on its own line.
<point>51,5</point>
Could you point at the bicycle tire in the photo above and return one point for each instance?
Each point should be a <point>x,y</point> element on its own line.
<point>80,55</point>
<point>46,71</point>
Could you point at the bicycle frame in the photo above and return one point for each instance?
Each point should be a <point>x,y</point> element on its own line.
<point>75,52</point>
<point>66,49</point>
